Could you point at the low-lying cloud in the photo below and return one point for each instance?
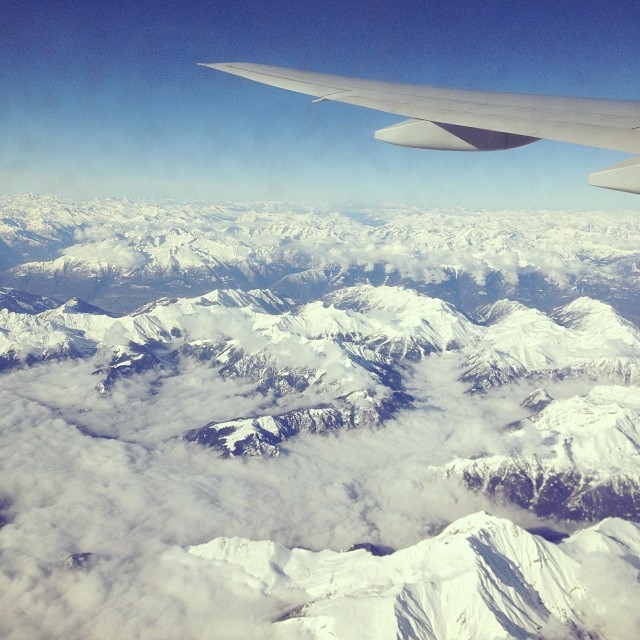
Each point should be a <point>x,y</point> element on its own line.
<point>135,496</point>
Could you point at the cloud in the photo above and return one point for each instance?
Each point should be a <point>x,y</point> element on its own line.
<point>136,496</point>
<point>107,252</point>
<point>613,588</point>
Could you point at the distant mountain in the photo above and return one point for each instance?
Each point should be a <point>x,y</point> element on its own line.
<point>25,302</point>
<point>120,254</point>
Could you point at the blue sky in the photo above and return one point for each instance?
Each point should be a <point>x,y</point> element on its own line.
<point>108,101</point>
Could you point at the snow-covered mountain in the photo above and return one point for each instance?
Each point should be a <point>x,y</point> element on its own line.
<point>482,577</point>
<point>380,374</point>
<point>585,337</point>
<point>576,458</point>
<point>119,254</point>
<point>344,359</point>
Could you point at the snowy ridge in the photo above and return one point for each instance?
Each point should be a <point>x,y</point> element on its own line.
<point>395,321</point>
<point>262,435</point>
<point>482,577</point>
<point>24,302</point>
<point>588,338</point>
<point>358,342</point>
<point>586,314</point>
<point>576,458</point>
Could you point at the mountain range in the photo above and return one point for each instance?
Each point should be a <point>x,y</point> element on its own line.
<point>502,348</point>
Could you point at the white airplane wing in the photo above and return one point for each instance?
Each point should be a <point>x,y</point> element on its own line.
<point>468,120</point>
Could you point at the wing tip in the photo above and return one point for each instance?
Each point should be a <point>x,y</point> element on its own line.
<point>222,65</point>
<point>213,65</point>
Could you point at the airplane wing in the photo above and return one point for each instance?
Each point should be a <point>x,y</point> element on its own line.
<point>469,120</point>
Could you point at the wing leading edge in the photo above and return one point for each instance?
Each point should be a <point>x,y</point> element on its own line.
<point>468,120</point>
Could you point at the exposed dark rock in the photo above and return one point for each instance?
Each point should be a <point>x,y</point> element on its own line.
<point>296,612</point>
<point>549,534</point>
<point>77,305</point>
<point>79,561</point>
<point>138,359</point>
<point>378,550</point>
<point>5,516</point>
<point>268,432</point>
<point>566,495</point>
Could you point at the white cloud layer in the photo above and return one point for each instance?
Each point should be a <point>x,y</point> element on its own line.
<point>134,500</point>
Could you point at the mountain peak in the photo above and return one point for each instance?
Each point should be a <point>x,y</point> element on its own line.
<point>537,400</point>
<point>77,305</point>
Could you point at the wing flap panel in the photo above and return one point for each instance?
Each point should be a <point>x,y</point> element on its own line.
<point>624,176</point>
